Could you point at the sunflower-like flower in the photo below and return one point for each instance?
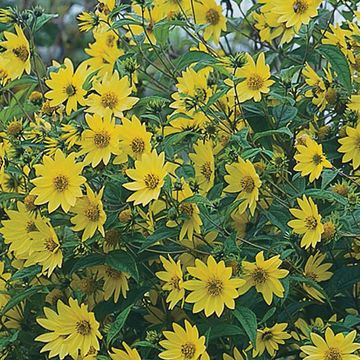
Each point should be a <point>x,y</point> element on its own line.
<point>88,21</point>
<point>307,223</point>
<point>337,347</point>
<point>173,280</point>
<point>89,214</point>
<point>316,270</point>
<point>148,176</point>
<point>17,53</point>
<point>243,179</point>
<point>183,343</point>
<point>58,182</point>
<point>256,79</point>
<point>235,356</point>
<point>67,86</point>
<point>127,354</point>
<point>100,140</point>
<point>265,276</point>
<point>350,146</point>
<point>269,339</point>
<point>71,329</point>
<point>311,160</point>
<point>111,96</point>
<point>213,289</point>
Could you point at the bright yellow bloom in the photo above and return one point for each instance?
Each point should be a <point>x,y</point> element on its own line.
<point>4,71</point>
<point>214,288</point>
<point>265,276</point>
<point>148,176</point>
<point>45,247</point>
<point>100,140</point>
<point>350,146</point>
<point>173,7</point>
<point>311,160</point>
<point>73,328</point>
<point>243,179</point>
<point>87,21</point>
<point>111,96</point>
<point>58,182</point>
<point>257,79</point>
<point>236,355</point>
<point>354,103</point>
<point>4,278</point>
<point>127,354</point>
<point>183,344</point>
<point>333,347</point>
<point>135,140</point>
<point>269,339</point>
<point>307,223</point>
<point>89,214</point>
<point>204,165</point>
<point>115,282</point>
<point>173,280</point>
<point>317,271</point>
<point>210,13</point>
<point>17,53</point>
<point>67,86</point>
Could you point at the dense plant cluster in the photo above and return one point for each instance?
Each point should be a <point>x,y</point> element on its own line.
<point>189,190</point>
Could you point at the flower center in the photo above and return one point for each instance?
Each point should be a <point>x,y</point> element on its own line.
<point>311,223</point>
<point>102,140</point>
<point>109,100</point>
<point>70,90</point>
<point>137,145</point>
<point>30,226</point>
<point>267,335</point>
<point>255,82</point>
<point>212,16</point>
<point>21,52</point>
<point>111,237</point>
<point>83,327</point>
<point>311,276</point>
<point>317,159</point>
<point>247,184</point>
<point>110,41</point>
<point>151,181</point>
<point>50,244</point>
<point>206,170</point>
<point>333,354</point>
<point>92,212</point>
<point>61,183</point>
<point>300,6</point>
<point>200,94</point>
<point>175,282</point>
<point>188,350</point>
<point>87,286</point>
<point>215,287</point>
<point>187,209</point>
<point>114,274</point>
<point>259,276</point>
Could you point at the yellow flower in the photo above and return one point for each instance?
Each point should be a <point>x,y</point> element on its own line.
<point>58,182</point>
<point>111,96</point>
<point>317,271</point>
<point>307,223</point>
<point>257,79</point>
<point>87,21</point>
<point>350,146</point>
<point>127,354</point>
<point>115,282</point>
<point>242,178</point>
<point>264,275</point>
<point>214,288</point>
<point>100,140</point>
<point>4,71</point>
<point>67,86</point>
<point>333,347</point>
<point>183,344</point>
<point>173,280</point>
<point>236,355</point>
<point>148,176</point>
<point>269,339</point>
<point>89,214</point>
<point>135,140</point>
<point>171,8</point>
<point>209,13</point>
<point>204,165</point>
<point>73,328</point>
<point>354,103</point>
<point>311,159</point>
<point>4,278</point>
<point>45,247</point>
<point>17,53</point>
<point>16,230</point>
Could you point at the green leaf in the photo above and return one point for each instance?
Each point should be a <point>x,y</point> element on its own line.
<point>327,177</point>
<point>122,261</point>
<point>26,272</point>
<point>247,319</point>
<point>194,57</point>
<point>88,261</point>
<point>338,63</point>
<point>283,130</point>
<point>118,324</point>
<point>326,195</point>
<point>160,234</point>
<point>42,20</point>
<point>4,196</point>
